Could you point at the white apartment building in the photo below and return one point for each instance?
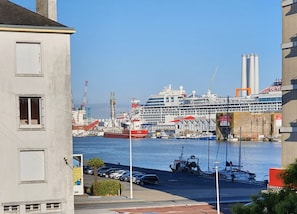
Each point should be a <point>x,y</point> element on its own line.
<point>35,111</point>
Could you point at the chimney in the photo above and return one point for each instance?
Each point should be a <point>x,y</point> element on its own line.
<point>47,8</point>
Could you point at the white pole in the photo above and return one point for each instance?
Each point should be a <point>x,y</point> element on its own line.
<point>131,177</point>
<point>217,187</point>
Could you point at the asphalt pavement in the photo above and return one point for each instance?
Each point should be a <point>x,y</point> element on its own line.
<point>174,191</point>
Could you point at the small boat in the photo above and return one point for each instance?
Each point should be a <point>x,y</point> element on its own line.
<point>207,136</point>
<point>235,172</point>
<point>162,135</point>
<point>231,138</point>
<point>182,164</point>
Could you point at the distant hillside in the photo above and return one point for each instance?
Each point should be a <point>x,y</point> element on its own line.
<point>102,110</point>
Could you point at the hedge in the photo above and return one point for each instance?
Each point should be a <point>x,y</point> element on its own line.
<point>107,188</point>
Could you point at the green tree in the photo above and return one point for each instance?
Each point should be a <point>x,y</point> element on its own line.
<point>95,163</point>
<point>289,176</point>
<point>272,202</point>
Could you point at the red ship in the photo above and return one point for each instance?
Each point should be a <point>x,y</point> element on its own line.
<point>125,133</point>
<point>135,124</point>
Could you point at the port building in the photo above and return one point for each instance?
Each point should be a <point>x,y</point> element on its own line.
<point>36,140</point>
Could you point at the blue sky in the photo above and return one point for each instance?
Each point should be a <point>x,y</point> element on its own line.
<point>136,47</point>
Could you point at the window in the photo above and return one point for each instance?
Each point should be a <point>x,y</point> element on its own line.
<point>11,209</point>
<point>33,208</point>
<point>53,206</point>
<point>32,165</point>
<point>30,112</point>
<point>28,60</point>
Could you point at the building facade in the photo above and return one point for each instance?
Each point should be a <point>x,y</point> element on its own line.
<point>289,82</point>
<point>35,89</point>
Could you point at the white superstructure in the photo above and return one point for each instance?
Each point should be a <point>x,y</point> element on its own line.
<point>170,104</point>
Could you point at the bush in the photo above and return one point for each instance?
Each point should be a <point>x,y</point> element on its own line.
<point>107,188</point>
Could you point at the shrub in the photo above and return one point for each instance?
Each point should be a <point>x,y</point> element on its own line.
<point>107,188</point>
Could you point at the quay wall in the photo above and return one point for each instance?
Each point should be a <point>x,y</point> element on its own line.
<point>249,126</point>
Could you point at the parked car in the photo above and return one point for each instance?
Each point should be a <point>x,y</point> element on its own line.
<point>117,174</point>
<point>88,170</point>
<point>136,177</point>
<point>101,169</point>
<point>105,173</point>
<point>147,179</point>
<point>126,176</point>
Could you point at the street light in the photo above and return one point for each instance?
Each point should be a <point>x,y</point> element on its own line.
<point>217,187</point>
<point>131,177</point>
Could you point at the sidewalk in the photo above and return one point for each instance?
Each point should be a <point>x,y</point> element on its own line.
<point>157,205</point>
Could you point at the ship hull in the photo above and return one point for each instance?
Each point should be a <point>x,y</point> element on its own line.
<point>126,134</point>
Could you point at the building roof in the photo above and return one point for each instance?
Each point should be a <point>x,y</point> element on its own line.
<point>14,15</point>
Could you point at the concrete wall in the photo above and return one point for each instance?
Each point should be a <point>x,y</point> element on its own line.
<point>289,73</point>
<point>54,138</point>
<point>250,126</point>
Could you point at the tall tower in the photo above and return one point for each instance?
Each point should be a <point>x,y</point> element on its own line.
<point>250,73</point>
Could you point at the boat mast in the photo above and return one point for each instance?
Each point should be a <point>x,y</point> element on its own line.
<point>208,137</point>
<point>239,160</point>
<point>182,153</point>
<point>228,128</point>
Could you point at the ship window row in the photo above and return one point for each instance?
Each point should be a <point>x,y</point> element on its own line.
<point>169,99</point>
<point>271,99</point>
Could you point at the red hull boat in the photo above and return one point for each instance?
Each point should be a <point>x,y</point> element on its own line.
<point>142,133</point>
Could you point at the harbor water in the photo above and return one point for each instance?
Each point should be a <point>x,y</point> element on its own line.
<point>255,157</point>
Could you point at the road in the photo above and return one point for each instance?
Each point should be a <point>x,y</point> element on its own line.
<point>173,190</point>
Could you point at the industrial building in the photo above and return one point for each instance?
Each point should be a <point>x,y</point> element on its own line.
<point>250,74</point>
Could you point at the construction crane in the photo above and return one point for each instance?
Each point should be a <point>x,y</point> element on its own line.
<point>112,108</point>
<point>84,103</point>
<point>211,81</point>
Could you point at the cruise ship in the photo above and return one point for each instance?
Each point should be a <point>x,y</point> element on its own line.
<point>171,105</point>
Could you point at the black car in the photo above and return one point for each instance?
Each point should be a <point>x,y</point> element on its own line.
<point>88,170</point>
<point>102,169</point>
<point>147,179</point>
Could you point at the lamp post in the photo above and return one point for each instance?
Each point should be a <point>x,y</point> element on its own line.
<point>217,187</point>
<point>208,141</point>
<point>131,177</point>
